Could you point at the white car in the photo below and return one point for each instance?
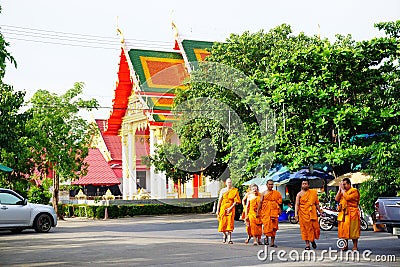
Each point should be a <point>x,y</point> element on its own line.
<point>16,214</point>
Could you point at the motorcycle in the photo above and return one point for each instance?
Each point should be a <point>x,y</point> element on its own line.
<point>363,223</point>
<point>290,213</point>
<point>329,218</point>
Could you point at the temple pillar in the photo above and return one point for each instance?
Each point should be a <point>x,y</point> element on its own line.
<point>158,179</point>
<point>125,167</point>
<point>133,120</point>
<point>132,160</point>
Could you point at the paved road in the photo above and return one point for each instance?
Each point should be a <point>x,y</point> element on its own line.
<point>173,240</point>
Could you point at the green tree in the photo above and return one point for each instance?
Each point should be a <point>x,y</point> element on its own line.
<point>4,55</point>
<point>384,167</point>
<point>341,107</point>
<point>323,94</point>
<point>254,55</point>
<point>384,149</point>
<point>13,150</point>
<point>163,164</point>
<point>60,138</point>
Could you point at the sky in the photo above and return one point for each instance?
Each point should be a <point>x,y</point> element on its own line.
<point>58,43</point>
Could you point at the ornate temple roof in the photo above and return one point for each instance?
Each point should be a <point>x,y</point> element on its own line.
<point>155,77</point>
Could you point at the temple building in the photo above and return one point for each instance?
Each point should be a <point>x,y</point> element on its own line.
<point>104,165</point>
<point>141,116</point>
<point>100,176</point>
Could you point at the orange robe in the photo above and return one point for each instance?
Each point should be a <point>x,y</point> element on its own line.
<point>349,215</point>
<point>226,221</point>
<point>308,218</point>
<point>255,223</point>
<point>269,212</point>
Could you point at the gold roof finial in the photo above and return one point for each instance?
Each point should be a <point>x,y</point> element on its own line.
<point>120,34</point>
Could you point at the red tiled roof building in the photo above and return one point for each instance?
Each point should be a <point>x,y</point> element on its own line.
<point>141,115</point>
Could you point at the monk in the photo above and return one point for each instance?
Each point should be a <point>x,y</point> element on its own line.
<point>349,213</point>
<point>228,198</point>
<point>307,204</point>
<point>253,222</point>
<point>269,210</point>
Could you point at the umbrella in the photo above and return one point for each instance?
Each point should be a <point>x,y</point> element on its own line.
<point>305,174</point>
<point>275,174</point>
<point>258,181</point>
<point>278,173</point>
<point>289,181</point>
<point>355,178</point>
<point>5,168</point>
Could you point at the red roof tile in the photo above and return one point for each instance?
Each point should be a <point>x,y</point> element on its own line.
<point>121,96</point>
<point>113,142</point>
<point>99,172</point>
<point>118,172</point>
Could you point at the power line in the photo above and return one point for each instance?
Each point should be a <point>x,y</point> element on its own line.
<point>60,37</point>
<point>77,45</point>
<point>79,36</point>
<point>68,44</point>
<point>83,35</point>
<point>73,39</point>
<point>71,43</point>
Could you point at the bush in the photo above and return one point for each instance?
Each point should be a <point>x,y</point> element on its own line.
<point>40,194</point>
<point>118,211</point>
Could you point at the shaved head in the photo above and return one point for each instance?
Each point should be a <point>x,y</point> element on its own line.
<point>228,182</point>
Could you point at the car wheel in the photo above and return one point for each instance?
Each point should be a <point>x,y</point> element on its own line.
<point>42,223</point>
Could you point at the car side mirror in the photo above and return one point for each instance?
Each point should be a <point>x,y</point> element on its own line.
<point>22,202</point>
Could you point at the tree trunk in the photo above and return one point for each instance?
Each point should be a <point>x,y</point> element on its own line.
<point>56,190</point>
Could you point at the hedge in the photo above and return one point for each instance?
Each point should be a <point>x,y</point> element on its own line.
<point>130,210</point>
